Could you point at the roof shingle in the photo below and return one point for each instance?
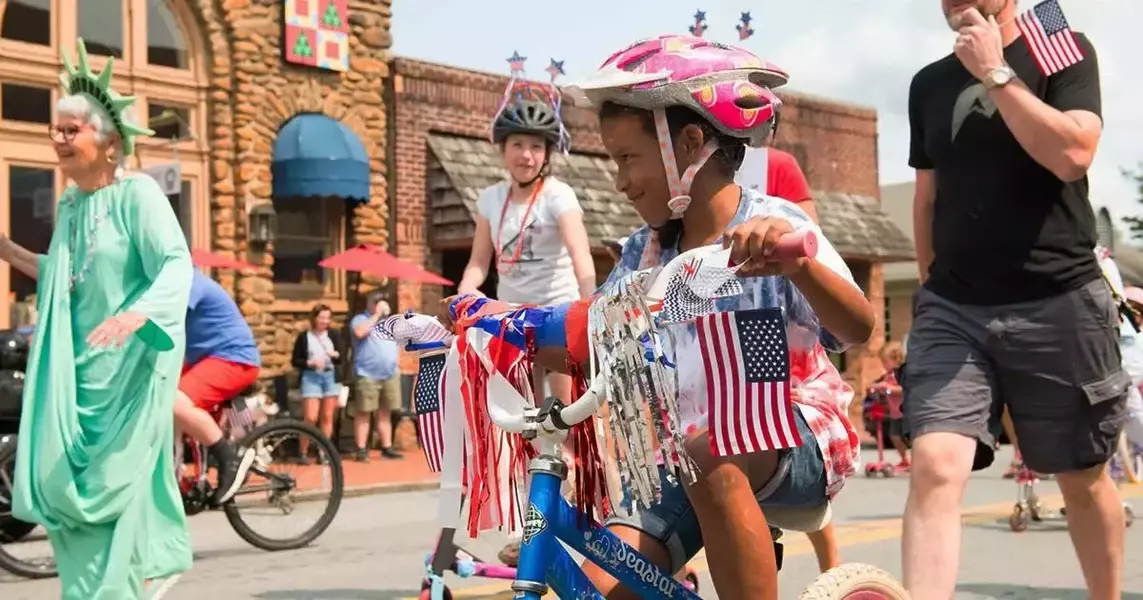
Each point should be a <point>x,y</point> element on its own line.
<point>859,228</point>
<point>856,225</point>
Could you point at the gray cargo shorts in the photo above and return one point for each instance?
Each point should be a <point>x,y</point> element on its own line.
<point>1054,363</point>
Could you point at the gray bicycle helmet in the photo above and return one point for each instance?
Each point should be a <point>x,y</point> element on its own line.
<point>527,116</point>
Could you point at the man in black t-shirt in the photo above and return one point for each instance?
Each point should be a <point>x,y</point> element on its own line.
<point>1013,311</point>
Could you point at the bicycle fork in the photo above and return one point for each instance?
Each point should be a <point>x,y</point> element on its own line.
<point>546,475</point>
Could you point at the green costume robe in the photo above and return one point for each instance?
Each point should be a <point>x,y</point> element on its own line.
<point>95,460</point>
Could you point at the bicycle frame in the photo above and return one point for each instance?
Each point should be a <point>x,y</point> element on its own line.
<point>549,519</point>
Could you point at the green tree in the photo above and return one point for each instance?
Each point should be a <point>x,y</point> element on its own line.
<point>302,46</point>
<point>1135,223</point>
<point>331,18</point>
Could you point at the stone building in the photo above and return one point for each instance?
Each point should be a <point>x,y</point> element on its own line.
<point>211,79</point>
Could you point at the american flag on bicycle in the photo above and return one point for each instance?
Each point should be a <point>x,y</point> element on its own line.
<point>745,357</point>
<point>428,394</point>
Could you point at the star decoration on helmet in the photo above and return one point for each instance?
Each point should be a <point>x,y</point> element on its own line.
<point>699,27</point>
<point>555,69</point>
<point>516,62</point>
<point>744,29</point>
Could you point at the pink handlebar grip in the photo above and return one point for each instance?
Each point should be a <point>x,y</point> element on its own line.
<point>801,244</point>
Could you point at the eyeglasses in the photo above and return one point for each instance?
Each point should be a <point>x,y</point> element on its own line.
<point>65,134</point>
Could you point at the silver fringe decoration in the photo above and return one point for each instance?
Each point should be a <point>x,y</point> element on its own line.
<point>627,352</point>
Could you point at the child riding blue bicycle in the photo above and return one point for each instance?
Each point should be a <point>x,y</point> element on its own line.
<point>676,114</point>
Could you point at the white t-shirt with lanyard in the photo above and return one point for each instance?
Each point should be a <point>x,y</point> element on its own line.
<point>533,264</point>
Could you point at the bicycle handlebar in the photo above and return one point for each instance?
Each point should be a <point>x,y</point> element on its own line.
<point>798,244</point>
<point>550,331</point>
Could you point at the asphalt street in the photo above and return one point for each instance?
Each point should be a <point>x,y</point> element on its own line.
<point>376,547</point>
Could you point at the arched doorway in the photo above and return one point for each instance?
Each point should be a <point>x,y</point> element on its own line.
<point>161,59</point>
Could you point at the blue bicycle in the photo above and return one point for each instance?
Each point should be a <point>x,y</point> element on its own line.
<point>549,519</point>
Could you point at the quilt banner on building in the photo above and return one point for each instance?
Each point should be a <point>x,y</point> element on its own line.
<point>316,33</point>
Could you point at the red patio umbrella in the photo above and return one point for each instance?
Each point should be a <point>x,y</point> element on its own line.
<point>210,260</point>
<point>365,258</point>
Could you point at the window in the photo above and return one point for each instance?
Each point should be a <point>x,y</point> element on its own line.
<point>309,229</point>
<point>25,103</point>
<point>31,216</point>
<point>169,122</point>
<point>181,204</point>
<point>166,45</point>
<point>100,24</point>
<point>28,21</point>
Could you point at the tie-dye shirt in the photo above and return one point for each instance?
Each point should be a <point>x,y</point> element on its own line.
<point>818,388</point>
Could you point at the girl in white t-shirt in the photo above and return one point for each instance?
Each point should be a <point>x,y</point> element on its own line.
<point>532,225</point>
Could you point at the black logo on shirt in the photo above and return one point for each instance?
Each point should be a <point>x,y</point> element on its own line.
<point>973,99</point>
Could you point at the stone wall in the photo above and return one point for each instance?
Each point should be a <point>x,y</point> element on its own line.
<point>252,93</point>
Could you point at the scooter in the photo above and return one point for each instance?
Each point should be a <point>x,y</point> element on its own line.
<point>878,410</point>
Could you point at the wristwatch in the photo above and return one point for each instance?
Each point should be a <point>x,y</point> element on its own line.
<point>998,77</point>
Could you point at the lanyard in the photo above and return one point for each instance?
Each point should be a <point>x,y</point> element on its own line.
<point>523,224</point>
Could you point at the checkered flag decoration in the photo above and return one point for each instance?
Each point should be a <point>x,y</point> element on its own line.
<point>412,328</point>
<point>692,290</point>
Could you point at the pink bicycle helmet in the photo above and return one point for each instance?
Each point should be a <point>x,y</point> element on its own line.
<point>728,86</point>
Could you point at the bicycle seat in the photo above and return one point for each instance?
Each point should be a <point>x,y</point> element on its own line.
<point>804,520</point>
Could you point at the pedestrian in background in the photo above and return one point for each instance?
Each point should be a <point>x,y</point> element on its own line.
<point>317,353</point>
<point>377,389</point>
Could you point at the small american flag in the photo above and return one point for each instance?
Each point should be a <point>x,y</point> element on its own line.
<point>427,394</point>
<point>1049,38</point>
<point>746,360</point>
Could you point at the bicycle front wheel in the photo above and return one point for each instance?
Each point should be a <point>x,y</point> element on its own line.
<point>272,490</point>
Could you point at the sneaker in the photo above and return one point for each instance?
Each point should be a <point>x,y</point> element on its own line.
<point>902,467</point>
<point>510,554</point>
<point>361,455</point>
<point>232,475</point>
<point>391,453</point>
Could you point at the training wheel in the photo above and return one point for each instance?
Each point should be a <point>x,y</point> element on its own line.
<point>691,581</point>
<point>854,581</point>
<point>1128,515</point>
<point>427,592</point>
<point>1019,519</point>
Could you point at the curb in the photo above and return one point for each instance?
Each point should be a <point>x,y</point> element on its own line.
<point>391,488</point>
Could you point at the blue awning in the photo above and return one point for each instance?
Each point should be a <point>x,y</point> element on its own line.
<point>315,155</point>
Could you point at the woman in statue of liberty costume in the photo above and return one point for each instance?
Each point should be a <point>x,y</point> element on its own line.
<point>95,455</point>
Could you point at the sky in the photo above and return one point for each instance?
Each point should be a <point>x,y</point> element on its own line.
<point>859,51</point>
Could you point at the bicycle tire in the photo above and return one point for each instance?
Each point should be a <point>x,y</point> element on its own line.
<point>10,563</point>
<point>1127,459</point>
<point>854,580</point>
<point>234,515</point>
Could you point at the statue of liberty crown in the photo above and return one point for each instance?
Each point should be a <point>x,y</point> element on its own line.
<point>83,80</point>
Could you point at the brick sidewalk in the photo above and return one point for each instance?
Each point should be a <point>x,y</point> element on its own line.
<point>411,471</point>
